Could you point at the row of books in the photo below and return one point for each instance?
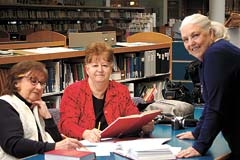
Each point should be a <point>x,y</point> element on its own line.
<point>62,74</point>
<point>58,14</point>
<point>144,64</point>
<point>63,27</point>
<point>62,2</point>
<point>59,26</point>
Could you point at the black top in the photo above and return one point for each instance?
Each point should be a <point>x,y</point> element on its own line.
<point>220,84</point>
<point>99,113</point>
<point>12,138</point>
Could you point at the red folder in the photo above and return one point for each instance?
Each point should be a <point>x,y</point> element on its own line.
<point>128,124</point>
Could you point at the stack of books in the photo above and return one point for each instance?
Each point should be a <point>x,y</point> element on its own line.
<point>64,154</point>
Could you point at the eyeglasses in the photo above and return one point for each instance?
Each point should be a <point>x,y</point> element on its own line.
<point>34,81</point>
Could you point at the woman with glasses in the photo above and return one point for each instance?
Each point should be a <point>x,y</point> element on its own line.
<point>220,84</point>
<point>27,127</point>
<point>90,105</point>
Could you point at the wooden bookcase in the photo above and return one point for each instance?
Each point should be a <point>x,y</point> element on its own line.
<point>162,42</point>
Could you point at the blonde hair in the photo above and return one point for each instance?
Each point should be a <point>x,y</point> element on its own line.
<point>220,31</point>
<point>197,19</point>
<point>99,49</point>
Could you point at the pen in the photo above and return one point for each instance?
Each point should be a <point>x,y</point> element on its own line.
<point>64,136</point>
<point>99,125</point>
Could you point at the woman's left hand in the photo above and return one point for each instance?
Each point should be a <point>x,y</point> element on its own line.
<point>189,152</point>
<point>42,109</point>
<point>148,128</point>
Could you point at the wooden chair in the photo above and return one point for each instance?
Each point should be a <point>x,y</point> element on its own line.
<point>152,37</point>
<point>36,40</point>
<point>55,114</point>
<point>47,36</point>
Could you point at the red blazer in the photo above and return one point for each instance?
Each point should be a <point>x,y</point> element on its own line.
<point>77,111</point>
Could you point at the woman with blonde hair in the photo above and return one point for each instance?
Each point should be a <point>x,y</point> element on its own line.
<point>219,74</point>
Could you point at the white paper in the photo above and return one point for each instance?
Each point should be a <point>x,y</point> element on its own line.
<point>44,50</point>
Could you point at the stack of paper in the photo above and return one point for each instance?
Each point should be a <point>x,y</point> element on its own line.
<point>147,149</point>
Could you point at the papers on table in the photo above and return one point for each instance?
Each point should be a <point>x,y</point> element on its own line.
<point>103,148</point>
<point>143,144</point>
<point>147,149</point>
<point>143,147</point>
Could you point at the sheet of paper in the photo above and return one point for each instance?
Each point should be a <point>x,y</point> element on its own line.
<point>106,146</point>
<point>149,144</point>
<point>103,148</point>
<point>133,44</point>
<point>44,50</point>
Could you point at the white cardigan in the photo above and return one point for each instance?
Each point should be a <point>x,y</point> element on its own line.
<point>29,122</point>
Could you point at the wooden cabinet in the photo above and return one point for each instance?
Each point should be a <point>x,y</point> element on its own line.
<point>21,19</point>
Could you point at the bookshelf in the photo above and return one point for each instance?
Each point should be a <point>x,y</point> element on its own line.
<point>74,56</point>
<point>181,59</point>
<point>22,19</point>
<point>158,62</point>
<point>178,9</point>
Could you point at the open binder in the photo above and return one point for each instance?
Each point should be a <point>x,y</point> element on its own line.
<point>129,124</point>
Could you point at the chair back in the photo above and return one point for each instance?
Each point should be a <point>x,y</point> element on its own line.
<point>55,114</point>
<point>152,37</point>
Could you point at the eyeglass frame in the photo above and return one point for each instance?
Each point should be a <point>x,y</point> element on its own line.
<point>34,81</point>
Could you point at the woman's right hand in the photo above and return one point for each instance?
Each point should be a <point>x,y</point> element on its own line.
<point>68,143</point>
<point>93,135</point>
<point>185,135</point>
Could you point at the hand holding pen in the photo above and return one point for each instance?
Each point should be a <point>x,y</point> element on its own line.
<point>68,143</point>
<point>93,135</point>
<point>99,125</point>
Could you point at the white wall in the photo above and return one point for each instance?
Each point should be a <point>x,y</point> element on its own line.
<point>216,13</point>
<point>235,35</point>
<point>217,10</point>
